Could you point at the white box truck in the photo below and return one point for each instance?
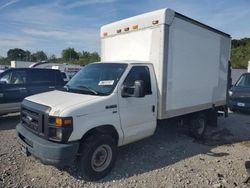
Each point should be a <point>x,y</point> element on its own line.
<point>155,66</point>
<point>21,64</point>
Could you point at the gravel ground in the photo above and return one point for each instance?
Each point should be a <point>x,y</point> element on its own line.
<point>170,158</point>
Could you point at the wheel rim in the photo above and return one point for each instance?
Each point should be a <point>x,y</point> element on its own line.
<point>101,158</point>
<point>201,126</point>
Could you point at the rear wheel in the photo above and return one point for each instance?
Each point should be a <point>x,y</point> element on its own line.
<point>197,125</point>
<point>98,156</point>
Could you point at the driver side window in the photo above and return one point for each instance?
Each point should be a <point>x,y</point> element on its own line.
<point>6,78</point>
<point>139,73</point>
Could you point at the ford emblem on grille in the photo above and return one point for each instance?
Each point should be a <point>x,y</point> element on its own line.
<point>29,118</point>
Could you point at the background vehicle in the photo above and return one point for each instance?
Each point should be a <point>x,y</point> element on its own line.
<point>67,70</point>
<point>21,64</point>
<point>18,83</point>
<point>152,69</point>
<point>239,94</point>
<point>3,68</point>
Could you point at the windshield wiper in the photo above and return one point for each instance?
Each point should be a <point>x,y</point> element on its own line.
<point>66,87</point>
<point>89,89</point>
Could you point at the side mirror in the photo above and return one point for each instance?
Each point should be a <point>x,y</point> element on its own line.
<point>138,90</point>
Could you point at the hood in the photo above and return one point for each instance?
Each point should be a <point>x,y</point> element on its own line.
<point>60,99</point>
<point>240,94</point>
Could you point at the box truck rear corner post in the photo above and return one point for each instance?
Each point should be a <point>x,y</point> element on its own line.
<point>155,66</point>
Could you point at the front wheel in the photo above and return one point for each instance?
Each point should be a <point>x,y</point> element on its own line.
<point>197,125</point>
<point>98,157</point>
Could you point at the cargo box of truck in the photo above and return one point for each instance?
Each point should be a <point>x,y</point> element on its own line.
<point>190,59</point>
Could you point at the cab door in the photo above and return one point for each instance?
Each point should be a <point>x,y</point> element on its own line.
<point>13,86</point>
<point>138,115</point>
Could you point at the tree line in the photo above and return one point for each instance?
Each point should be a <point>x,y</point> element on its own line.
<point>68,55</point>
<point>240,55</point>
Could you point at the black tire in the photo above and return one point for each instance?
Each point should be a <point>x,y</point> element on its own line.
<point>198,125</point>
<point>93,150</point>
<point>212,118</point>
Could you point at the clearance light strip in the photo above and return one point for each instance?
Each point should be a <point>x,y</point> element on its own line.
<point>134,27</point>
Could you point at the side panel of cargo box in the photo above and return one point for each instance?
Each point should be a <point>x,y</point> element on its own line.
<point>195,68</point>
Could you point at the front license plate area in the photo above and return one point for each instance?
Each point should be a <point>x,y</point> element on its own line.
<point>25,151</point>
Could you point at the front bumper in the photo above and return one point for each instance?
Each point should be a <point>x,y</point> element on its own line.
<point>47,151</point>
<point>235,105</point>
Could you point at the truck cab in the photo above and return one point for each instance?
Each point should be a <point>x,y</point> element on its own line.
<point>118,100</point>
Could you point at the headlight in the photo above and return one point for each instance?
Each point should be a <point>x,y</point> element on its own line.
<point>60,128</point>
<point>230,93</point>
<point>59,134</point>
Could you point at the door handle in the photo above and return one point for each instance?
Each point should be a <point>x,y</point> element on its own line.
<point>51,87</point>
<point>153,108</point>
<point>111,106</point>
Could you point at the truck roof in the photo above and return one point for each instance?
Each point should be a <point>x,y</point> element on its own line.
<point>162,16</point>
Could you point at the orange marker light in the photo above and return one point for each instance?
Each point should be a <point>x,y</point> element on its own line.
<point>59,122</point>
<point>155,22</point>
<point>135,26</point>
<point>67,122</point>
<point>105,34</point>
<point>126,29</point>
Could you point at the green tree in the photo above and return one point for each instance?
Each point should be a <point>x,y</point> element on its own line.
<point>95,57</point>
<point>39,56</point>
<point>1,60</point>
<point>18,54</point>
<point>87,57</point>
<point>53,59</point>
<point>70,54</point>
<point>240,53</point>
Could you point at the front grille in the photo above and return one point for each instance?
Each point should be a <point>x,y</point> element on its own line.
<point>34,117</point>
<point>242,94</point>
<point>241,99</point>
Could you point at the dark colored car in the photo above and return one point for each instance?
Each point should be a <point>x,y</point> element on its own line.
<point>239,94</point>
<point>2,69</point>
<point>18,83</point>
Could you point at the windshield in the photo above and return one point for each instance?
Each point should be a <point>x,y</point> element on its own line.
<point>244,81</point>
<point>96,79</point>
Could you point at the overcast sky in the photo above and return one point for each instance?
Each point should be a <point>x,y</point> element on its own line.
<point>52,25</point>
